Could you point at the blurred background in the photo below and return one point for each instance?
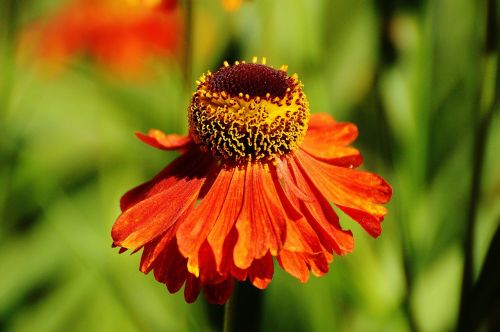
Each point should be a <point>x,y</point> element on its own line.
<point>419,78</point>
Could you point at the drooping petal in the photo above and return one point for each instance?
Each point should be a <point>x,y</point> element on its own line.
<point>357,193</point>
<point>195,229</point>
<point>261,224</point>
<point>294,264</point>
<point>321,216</point>
<point>228,215</point>
<point>170,268</point>
<point>219,293</point>
<point>190,165</point>
<point>261,271</point>
<point>192,288</point>
<point>157,205</point>
<point>327,140</point>
<point>250,237</point>
<point>157,139</point>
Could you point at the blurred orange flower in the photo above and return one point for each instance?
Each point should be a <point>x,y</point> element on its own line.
<point>120,35</point>
<point>254,181</point>
<point>231,5</point>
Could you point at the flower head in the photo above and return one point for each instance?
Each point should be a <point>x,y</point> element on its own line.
<point>121,36</point>
<point>255,180</point>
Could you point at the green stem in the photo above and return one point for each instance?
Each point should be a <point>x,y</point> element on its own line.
<point>243,311</point>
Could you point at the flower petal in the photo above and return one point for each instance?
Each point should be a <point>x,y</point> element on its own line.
<point>261,271</point>
<point>228,215</point>
<point>192,164</point>
<point>324,130</point>
<point>192,288</point>
<point>321,216</point>
<point>327,140</point>
<point>170,268</point>
<point>161,206</point>
<point>261,224</point>
<point>195,229</point>
<point>359,194</point>
<point>158,139</point>
<point>219,293</point>
<point>294,264</point>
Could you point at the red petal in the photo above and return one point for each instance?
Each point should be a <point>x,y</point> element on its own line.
<point>326,140</point>
<point>207,266</point>
<point>261,271</point>
<point>157,139</point>
<point>192,164</point>
<point>152,250</point>
<point>192,288</point>
<point>219,293</point>
<point>356,193</point>
<point>170,268</point>
<point>160,209</point>
<point>195,229</point>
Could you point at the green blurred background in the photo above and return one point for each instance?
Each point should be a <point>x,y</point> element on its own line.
<point>419,78</point>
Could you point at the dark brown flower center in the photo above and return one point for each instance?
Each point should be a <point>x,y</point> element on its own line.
<point>253,79</point>
<point>248,112</point>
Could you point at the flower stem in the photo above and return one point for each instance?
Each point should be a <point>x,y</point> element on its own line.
<point>243,311</point>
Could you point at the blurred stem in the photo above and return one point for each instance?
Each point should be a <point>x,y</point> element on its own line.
<point>489,69</point>
<point>187,68</point>
<point>243,311</point>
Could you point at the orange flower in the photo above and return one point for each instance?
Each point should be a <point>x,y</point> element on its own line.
<point>232,5</point>
<point>120,36</point>
<point>254,180</point>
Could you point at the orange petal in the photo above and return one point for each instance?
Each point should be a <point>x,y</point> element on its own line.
<point>228,215</point>
<point>326,140</point>
<point>153,249</point>
<point>294,264</point>
<point>195,229</point>
<point>324,130</point>
<point>357,193</point>
<point>161,207</point>
<point>157,139</point>
<point>192,164</point>
<point>261,271</point>
<point>219,293</point>
<point>261,223</point>
<point>321,216</point>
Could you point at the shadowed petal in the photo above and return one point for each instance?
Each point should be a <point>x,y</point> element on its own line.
<point>219,293</point>
<point>261,271</point>
<point>192,288</point>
